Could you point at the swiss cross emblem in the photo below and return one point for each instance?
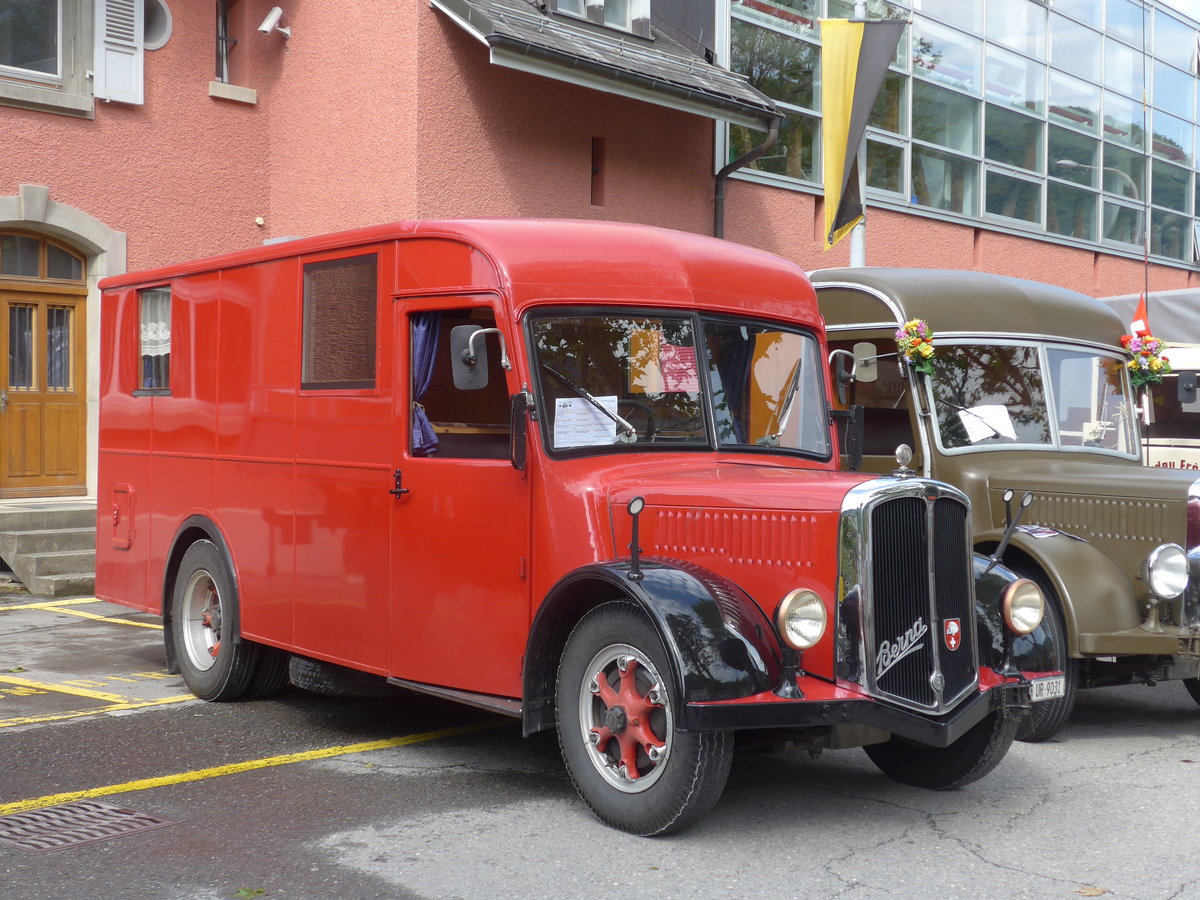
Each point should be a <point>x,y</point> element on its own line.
<point>952,632</point>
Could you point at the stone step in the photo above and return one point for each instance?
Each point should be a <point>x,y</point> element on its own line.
<point>45,540</point>
<point>62,562</point>
<point>61,585</point>
<point>50,544</point>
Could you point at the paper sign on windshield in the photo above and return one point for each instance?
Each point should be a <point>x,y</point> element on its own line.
<point>577,423</point>
<point>990,420</point>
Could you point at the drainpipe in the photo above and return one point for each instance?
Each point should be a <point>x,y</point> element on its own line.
<point>744,160</point>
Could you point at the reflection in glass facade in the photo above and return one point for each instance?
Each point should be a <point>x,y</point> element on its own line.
<point>1025,116</point>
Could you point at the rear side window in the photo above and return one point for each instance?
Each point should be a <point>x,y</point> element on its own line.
<point>154,338</point>
<point>339,323</point>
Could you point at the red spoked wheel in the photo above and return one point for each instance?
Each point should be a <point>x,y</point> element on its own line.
<point>625,716</point>
<point>616,706</point>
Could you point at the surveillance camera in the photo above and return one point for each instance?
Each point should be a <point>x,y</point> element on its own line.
<point>272,19</point>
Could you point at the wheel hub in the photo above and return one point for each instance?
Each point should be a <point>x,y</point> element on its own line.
<point>615,720</point>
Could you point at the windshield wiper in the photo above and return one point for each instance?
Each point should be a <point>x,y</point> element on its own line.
<point>772,439</point>
<point>630,431</point>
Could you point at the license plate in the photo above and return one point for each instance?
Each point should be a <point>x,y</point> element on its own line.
<point>1047,688</point>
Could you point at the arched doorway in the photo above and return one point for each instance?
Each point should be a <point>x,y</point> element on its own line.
<point>43,374</point>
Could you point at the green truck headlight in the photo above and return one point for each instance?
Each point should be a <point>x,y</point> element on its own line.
<point>1166,571</point>
<point>1023,605</point>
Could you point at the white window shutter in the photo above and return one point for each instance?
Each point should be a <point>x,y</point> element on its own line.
<point>118,56</point>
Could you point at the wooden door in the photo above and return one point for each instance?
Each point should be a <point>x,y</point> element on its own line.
<point>43,403</point>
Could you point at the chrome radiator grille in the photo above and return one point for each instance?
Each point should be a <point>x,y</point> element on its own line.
<point>917,602</point>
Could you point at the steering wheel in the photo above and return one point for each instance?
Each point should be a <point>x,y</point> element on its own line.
<point>643,410</point>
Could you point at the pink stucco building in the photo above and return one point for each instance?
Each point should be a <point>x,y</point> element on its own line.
<point>219,136</point>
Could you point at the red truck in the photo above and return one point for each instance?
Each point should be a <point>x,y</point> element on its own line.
<point>579,473</point>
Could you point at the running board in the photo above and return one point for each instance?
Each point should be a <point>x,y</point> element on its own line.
<point>504,705</point>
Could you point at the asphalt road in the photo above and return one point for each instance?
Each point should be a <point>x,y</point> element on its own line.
<point>310,797</point>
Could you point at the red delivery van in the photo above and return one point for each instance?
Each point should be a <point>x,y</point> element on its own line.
<point>579,473</point>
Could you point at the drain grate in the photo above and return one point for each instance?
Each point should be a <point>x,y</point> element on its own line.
<point>72,824</point>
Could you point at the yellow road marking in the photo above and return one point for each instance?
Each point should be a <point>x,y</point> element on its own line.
<point>51,604</point>
<point>62,606</point>
<point>236,768</point>
<point>88,615</point>
<point>95,711</point>
<point>62,689</point>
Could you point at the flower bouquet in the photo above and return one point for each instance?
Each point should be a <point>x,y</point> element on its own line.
<point>915,342</point>
<point>1146,365</point>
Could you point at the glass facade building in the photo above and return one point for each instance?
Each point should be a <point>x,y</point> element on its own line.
<point>1069,120</point>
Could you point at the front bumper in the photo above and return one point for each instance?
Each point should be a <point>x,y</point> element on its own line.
<point>832,706</point>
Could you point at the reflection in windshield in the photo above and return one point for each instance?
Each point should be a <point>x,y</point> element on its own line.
<point>995,395</point>
<point>609,379</point>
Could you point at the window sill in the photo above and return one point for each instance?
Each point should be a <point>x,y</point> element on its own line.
<point>28,96</point>
<point>236,93</point>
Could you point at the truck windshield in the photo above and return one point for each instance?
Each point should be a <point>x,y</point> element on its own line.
<point>611,380</point>
<point>989,395</point>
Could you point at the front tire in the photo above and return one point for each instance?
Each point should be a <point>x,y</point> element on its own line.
<point>1047,717</point>
<point>1193,687</point>
<point>942,768</point>
<point>216,664</point>
<point>616,708</point>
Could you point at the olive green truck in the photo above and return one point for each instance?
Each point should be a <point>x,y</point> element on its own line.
<point>1027,390</point>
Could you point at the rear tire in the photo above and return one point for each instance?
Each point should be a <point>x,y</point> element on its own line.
<point>332,680</point>
<point>942,768</point>
<point>616,707</point>
<point>270,674</point>
<point>216,664</point>
<point>1047,717</point>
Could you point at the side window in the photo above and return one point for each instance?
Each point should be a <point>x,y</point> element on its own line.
<point>340,303</point>
<point>448,421</point>
<point>154,326</point>
<point>887,422</point>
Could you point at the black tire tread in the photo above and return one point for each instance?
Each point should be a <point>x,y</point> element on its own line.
<point>968,759</point>
<point>1047,717</point>
<point>704,757</point>
<point>332,680</point>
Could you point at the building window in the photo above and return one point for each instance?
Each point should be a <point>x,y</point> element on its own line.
<point>29,256</point>
<point>1025,115</point>
<point>625,15</point>
<point>229,35</point>
<point>340,301</point>
<point>154,320</point>
<point>45,53</point>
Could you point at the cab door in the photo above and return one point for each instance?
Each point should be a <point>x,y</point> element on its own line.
<point>460,511</point>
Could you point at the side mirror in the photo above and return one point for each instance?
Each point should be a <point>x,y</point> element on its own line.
<point>1187,388</point>
<point>469,357</point>
<point>468,364</point>
<point>866,362</point>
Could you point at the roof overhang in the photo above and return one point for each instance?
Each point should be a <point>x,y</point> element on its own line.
<point>659,70</point>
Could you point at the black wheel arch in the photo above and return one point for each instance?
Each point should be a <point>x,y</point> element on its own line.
<point>194,528</point>
<point>720,644</point>
<point>1033,652</point>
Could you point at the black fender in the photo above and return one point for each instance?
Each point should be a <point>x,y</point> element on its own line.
<point>193,528</point>
<point>1033,652</point>
<point>720,644</point>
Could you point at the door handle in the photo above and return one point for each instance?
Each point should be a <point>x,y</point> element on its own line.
<point>397,490</point>
<point>3,402</point>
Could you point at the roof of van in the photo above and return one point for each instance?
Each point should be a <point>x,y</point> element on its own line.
<point>960,301</point>
<point>557,258</point>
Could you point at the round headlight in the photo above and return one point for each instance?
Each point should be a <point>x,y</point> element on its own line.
<point>801,619</point>
<point>1166,571</point>
<point>1023,605</point>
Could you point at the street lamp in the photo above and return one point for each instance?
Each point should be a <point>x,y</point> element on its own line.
<point>1069,164</point>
